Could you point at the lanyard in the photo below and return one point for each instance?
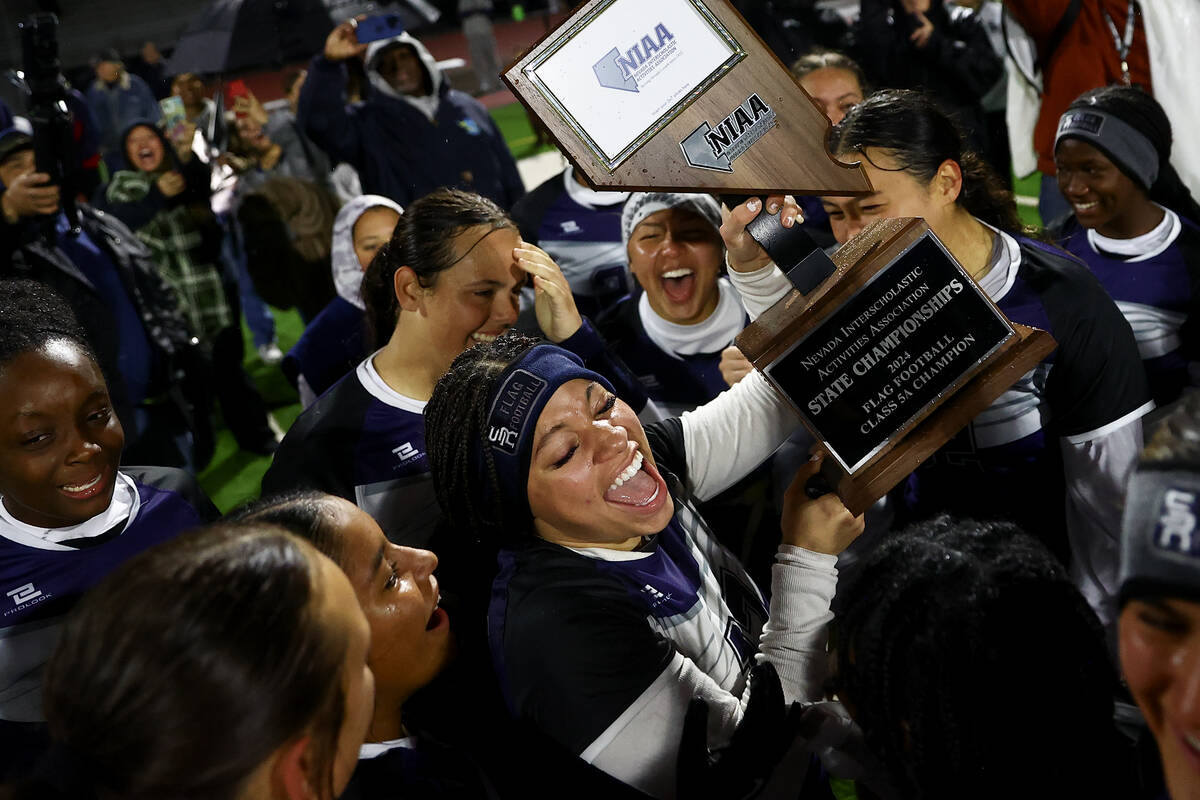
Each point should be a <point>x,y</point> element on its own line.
<point>1122,44</point>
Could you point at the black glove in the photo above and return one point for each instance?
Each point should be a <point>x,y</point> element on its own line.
<point>740,769</point>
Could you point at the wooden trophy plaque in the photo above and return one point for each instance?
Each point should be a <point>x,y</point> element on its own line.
<point>677,95</point>
<point>871,355</point>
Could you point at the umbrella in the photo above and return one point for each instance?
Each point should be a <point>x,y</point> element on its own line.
<point>231,35</point>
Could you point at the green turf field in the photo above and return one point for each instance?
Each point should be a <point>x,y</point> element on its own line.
<point>233,477</point>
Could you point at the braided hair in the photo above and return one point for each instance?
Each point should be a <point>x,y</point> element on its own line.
<point>950,630</point>
<point>31,316</point>
<point>1142,112</point>
<point>423,241</point>
<point>456,429</point>
<point>920,137</point>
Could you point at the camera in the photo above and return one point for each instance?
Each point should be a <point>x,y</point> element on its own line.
<point>53,142</point>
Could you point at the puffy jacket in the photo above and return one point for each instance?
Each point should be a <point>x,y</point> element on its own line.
<point>404,147</point>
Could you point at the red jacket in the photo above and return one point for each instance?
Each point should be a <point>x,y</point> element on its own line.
<point>1086,58</point>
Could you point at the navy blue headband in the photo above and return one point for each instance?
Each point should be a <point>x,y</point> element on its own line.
<point>521,394</point>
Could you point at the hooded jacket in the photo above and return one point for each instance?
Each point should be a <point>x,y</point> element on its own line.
<point>405,147</point>
<point>115,106</point>
<point>181,231</point>
<point>334,343</point>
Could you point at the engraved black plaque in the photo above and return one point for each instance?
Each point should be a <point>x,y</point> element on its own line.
<point>917,330</point>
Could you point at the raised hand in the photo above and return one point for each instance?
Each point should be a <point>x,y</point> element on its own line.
<point>342,42</point>
<point>734,366</point>
<point>171,183</point>
<point>744,254</point>
<point>29,195</point>
<point>554,305</point>
<point>822,525</point>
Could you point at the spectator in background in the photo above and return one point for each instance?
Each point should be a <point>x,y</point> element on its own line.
<point>118,99</point>
<point>343,179</point>
<point>111,282</point>
<point>413,133</point>
<point>162,191</point>
<point>272,145</point>
<point>6,116</point>
<point>792,28</point>
<point>579,228</point>
<point>201,111</point>
<point>476,18</point>
<point>1087,54</point>
<point>1159,626</point>
<point>150,67</point>
<point>335,341</point>
<point>917,44</point>
<point>995,102</point>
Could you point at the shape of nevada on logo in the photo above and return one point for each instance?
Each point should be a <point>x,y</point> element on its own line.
<point>623,71</point>
<point>716,148</point>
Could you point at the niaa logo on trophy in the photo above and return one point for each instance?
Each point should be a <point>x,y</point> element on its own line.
<point>715,148</point>
<point>617,70</point>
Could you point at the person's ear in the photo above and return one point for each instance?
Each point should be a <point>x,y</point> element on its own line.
<point>947,183</point>
<point>290,774</point>
<point>410,295</point>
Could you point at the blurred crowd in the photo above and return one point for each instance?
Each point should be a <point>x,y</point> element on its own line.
<point>541,527</point>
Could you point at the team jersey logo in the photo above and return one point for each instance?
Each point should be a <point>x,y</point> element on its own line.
<point>637,64</point>
<point>716,148</point>
<point>1176,528</point>
<point>23,594</point>
<point>406,451</point>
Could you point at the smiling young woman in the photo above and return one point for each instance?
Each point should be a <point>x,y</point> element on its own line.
<point>1159,625</point>
<point>448,279</point>
<point>614,604</point>
<point>1051,454</point>
<point>671,330</point>
<point>69,513</point>
<point>1133,222</point>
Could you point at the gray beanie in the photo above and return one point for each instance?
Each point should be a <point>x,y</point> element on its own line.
<point>1160,534</point>
<point>642,204</point>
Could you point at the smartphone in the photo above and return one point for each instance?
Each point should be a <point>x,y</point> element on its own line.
<point>172,111</point>
<point>233,90</point>
<point>380,26</point>
<point>174,116</point>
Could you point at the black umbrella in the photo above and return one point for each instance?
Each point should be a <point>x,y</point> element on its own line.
<point>231,35</point>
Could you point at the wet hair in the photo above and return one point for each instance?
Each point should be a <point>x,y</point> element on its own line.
<point>33,315</point>
<point>303,512</point>
<point>188,666</point>
<point>423,241</point>
<point>963,649</point>
<point>920,137</point>
<point>456,430</point>
<point>1136,108</point>
<point>829,59</point>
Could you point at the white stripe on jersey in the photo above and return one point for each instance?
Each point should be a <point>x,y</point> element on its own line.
<point>1156,330</point>
<point>1015,414</point>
